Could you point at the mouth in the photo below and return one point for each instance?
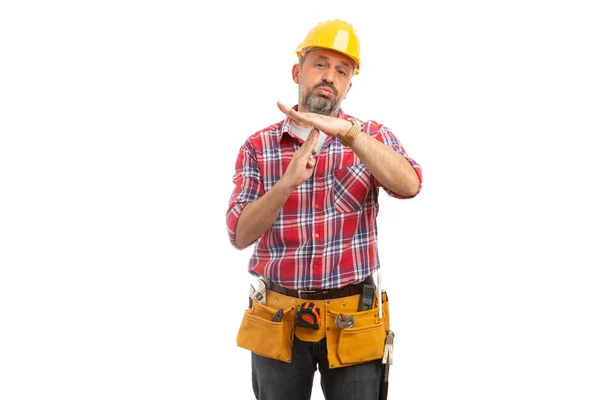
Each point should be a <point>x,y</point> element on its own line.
<point>325,91</point>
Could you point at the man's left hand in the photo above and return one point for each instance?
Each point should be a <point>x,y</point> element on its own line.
<point>328,125</point>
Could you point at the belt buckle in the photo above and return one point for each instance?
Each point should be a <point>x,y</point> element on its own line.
<point>301,291</point>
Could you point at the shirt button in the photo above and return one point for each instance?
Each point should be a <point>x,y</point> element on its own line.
<point>316,235</point>
<point>316,206</point>
<point>316,265</point>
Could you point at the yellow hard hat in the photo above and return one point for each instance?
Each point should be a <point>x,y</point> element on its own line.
<point>336,35</point>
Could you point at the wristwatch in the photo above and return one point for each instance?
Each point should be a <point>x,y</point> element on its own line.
<point>349,137</point>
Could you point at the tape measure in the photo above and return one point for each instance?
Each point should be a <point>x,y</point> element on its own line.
<point>308,316</point>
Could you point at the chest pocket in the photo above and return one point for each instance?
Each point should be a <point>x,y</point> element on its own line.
<point>350,188</point>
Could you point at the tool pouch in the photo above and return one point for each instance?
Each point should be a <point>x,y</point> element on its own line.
<point>267,338</point>
<point>362,341</point>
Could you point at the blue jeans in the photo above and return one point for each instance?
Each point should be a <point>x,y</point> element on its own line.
<point>277,380</point>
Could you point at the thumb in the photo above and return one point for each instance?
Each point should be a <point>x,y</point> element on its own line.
<point>311,141</point>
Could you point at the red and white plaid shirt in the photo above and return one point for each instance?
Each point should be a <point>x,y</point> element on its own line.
<point>326,235</point>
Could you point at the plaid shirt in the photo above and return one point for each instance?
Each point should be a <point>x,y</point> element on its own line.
<point>326,234</point>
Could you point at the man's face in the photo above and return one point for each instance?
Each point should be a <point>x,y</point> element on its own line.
<point>323,81</point>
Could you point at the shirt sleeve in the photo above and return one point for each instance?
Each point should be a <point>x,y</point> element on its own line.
<point>385,136</point>
<point>248,187</point>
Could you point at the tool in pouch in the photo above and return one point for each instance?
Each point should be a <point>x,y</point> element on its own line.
<point>387,359</point>
<point>344,321</point>
<point>278,316</point>
<point>388,350</point>
<point>367,297</point>
<point>308,316</point>
<point>258,294</point>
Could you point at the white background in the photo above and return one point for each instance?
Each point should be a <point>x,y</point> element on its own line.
<point>120,123</point>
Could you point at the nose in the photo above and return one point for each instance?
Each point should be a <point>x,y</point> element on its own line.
<point>328,75</point>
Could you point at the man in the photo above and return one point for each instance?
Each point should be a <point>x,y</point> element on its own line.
<point>305,194</point>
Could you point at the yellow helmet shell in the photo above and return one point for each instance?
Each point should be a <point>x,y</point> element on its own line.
<point>335,35</point>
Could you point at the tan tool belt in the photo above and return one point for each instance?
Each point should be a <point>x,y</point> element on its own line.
<point>361,342</point>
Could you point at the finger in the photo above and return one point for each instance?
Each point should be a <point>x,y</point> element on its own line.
<point>298,116</point>
<point>284,109</point>
<point>313,135</point>
<point>287,111</point>
<point>311,162</point>
<point>290,112</point>
<point>293,114</point>
<point>311,141</point>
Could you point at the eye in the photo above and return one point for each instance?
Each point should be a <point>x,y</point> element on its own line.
<point>320,65</point>
<point>341,72</point>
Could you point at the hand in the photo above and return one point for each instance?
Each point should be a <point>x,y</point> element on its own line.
<point>302,165</point>
<point>328,125</point>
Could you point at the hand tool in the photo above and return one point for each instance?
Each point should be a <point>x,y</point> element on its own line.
<point>308,316</point>
<point>278,316</point>
<point>387,360</point>
<point>344,321</point>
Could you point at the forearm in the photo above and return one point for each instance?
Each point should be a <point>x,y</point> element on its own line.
<point>260,215</point>
<point>390,168</point>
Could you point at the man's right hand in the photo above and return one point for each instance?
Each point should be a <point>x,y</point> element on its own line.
<point>302,165</point>
<point>260,215</point>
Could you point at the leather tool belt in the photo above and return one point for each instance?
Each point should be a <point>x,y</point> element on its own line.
<point>352,336</point>
<point>320,294</point>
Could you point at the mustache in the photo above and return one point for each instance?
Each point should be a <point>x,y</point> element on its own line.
<point>327,85</point>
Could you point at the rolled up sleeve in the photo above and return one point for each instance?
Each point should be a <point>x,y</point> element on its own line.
<point>385,136</point>
<point>248,187</point>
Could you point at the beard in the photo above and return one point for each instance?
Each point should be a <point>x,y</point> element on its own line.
<point>320,104</point>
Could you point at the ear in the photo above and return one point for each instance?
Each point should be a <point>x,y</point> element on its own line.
<point>347,90</point>
<point>295,72</point>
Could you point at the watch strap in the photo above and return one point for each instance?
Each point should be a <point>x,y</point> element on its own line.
<point>349,137</point>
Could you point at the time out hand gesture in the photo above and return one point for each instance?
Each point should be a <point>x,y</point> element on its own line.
<point>303,163</point>
<point>328,125</point>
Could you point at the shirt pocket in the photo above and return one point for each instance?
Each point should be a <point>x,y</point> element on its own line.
<point>350,188</point>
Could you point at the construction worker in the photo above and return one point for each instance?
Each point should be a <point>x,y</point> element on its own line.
<point>305,195</point>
